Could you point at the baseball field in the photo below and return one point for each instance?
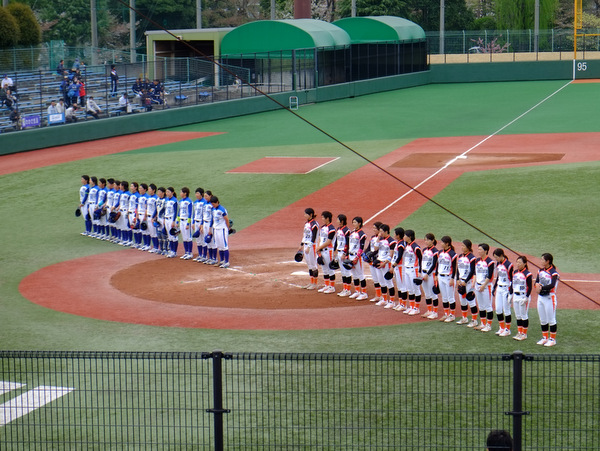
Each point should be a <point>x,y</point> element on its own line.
<point>512,164</point>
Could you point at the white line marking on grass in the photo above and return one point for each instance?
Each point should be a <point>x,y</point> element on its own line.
<point>5,387</point>
<point>28,402</point>
<point>464,154</point>
<point>321,165</point>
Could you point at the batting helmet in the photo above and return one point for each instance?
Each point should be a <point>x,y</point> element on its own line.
<point>299,256</point>
<point>346,263</point>
<point>334,265</point>
<point>144,226</point>
<point>78,212</point>
<point>470,296</point>
<point>462,290</point>
<point>174,231</point>
<point>436,289</point>
<point>208,238</point>
<point>389,275</point>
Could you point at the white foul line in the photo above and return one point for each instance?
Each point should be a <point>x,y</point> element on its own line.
<point>463,155</point>
<point>321,165</point>
<point>5,387</point>
<point>28,402</point>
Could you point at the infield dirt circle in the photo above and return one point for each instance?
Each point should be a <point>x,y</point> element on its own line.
<point>262,290</point>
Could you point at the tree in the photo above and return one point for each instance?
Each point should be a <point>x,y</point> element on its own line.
<point>30,30</point>
<point>426,13</point>
<point>9,29</point>
<point>519,14</point>
<point>397,8</point>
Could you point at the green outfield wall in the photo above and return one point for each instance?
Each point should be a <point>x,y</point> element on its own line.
<point>440,73</point>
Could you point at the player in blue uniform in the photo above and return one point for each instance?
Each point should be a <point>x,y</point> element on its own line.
<point>220,231</point>
<point>198,212</point>
<point>92,202</point>
<point>83,203</point>
<point>132,214</point>
<point>210,248</point>
<point>171,221</point>
<point>101,208</point>
<point>152,245</point>
<point>142,233</point>
<point>123,221</point>
<point>161,200</point>
<point>184,220</point>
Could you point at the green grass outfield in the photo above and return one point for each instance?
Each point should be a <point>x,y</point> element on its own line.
<point>38,227</point>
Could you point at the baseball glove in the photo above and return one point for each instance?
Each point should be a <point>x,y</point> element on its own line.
<point>196,234</point>
<point>320,260</point>
<point>417,281</point>
<point>144,226</point>
<point>470,296</point>
<point>174,231</point>
<point>346,263</point>
<point>462,290</point>
<point>367,256</point>
<point>299,256</point>
<point>436,289</point>
<point>231,229</point>
<point>389,275</point>
<point>334,264</point>
<point>97,213</point>
<point>208,238</point>
<point>376,262</point>
<point>544,292</point>
<point>78,212</point>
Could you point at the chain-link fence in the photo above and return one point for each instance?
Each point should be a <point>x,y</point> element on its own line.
<point>120,400</point>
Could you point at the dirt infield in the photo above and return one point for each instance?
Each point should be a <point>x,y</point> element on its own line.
<point>261,290</point>
<point>283,165</point>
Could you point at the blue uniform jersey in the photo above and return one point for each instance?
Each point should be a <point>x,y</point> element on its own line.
<point>142,205</point>
<point>207,214</point>
<point>102,197</point>
<point>133,202</point>
<point>117,199</point>
<point>151,206</point>
<point>124,204</point>
<point>199,210</point>
<point>93,195</point>
<point>171,208</point>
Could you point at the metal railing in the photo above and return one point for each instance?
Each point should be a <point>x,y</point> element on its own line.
<point>135,400</point>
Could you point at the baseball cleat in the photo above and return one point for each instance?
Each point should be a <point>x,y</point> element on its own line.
<point>506,333</point>
<point>443,318</point>
<point>462,321</point>
<point>362,297</point>
<point>472,324</point>
<point>450,319</point>
<point>486,328</point>
<point>433,315</point>
<point>354,295</point>
<point>322,289</point>
<point>542,342</point>
<point>414,312</point>
<point>311,286</point>
<point>499,332</point>
<point>380,302</point>
<point>329,290</point>
<point>224,265</point>
<point>518,337</point>
<point>389,305</point>
<point>550,342</point>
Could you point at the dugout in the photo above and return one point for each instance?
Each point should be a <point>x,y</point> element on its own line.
<point>289,54</point>
<point>164,50</point>
<point>384,46</point>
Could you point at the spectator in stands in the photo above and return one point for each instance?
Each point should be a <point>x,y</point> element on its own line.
<point>138,87</point>
<point>60,106</point>
<point>52,108</point>
<point>82,93</point>
<point>124,103</point>
<point>92,108</point>
<point>156,92</point>
<point>9,100</point>
<point>74,92</point>
<point>76,65</point>
<point>146,100</point>
<point>60,69</point>
<point>64,90</point>
<point>70,113</point>
<point>6,82</point>
<point>114,80</point>
<point>15,118</point>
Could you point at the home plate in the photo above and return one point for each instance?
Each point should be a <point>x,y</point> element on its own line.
<point>299,273</point>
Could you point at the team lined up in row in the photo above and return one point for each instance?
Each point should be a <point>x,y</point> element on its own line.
<point>151,219</point>
<point>431,273</point>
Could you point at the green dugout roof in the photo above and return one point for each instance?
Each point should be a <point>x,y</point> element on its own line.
<point>275,35</point>
<point>371,29</point>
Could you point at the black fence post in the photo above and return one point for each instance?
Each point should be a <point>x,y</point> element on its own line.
<point>517,412</point>
<point>217,410</point>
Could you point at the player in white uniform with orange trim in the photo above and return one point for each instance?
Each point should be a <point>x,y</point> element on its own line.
<point>411,262</point>
<point>308,246</point>
<point>374,272</point>
<point>385,251</point>
<point>325,252</point>
<point>464,282</point>
<point>522,287</point>
<point>398,268</point>
<point>546,284</point>
<point>356,245</point>
<point>484,274</point>
<point>447,264</point>
<point>503,291</point>
<point>429,264</point>
<point>342,235</point>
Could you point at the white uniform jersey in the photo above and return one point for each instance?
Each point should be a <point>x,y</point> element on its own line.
<point>307,233</point>
<point>124,202</point>
<point>519,282</point>
<point>384,254</point>
<point>428,260</point>
<point>324,235</point>
<point>503,271</point>
<point>409,258</point>
<point>207,215</point>
<point>445,259</point>
<point>133,202</point>
<point>199,210</point>
<point>160,207</point>
<point>93,196</point>
<point>102,196</point>
<point>341,239</point>
<point>83,194</point>
<point>219,221</point>
<point>185,210</point>
<point>110,198</point>
<point>482,269</point>
<point>464,266</point>
<point>354,243</point>
<point>142,205</point>
<point>170,208</point>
